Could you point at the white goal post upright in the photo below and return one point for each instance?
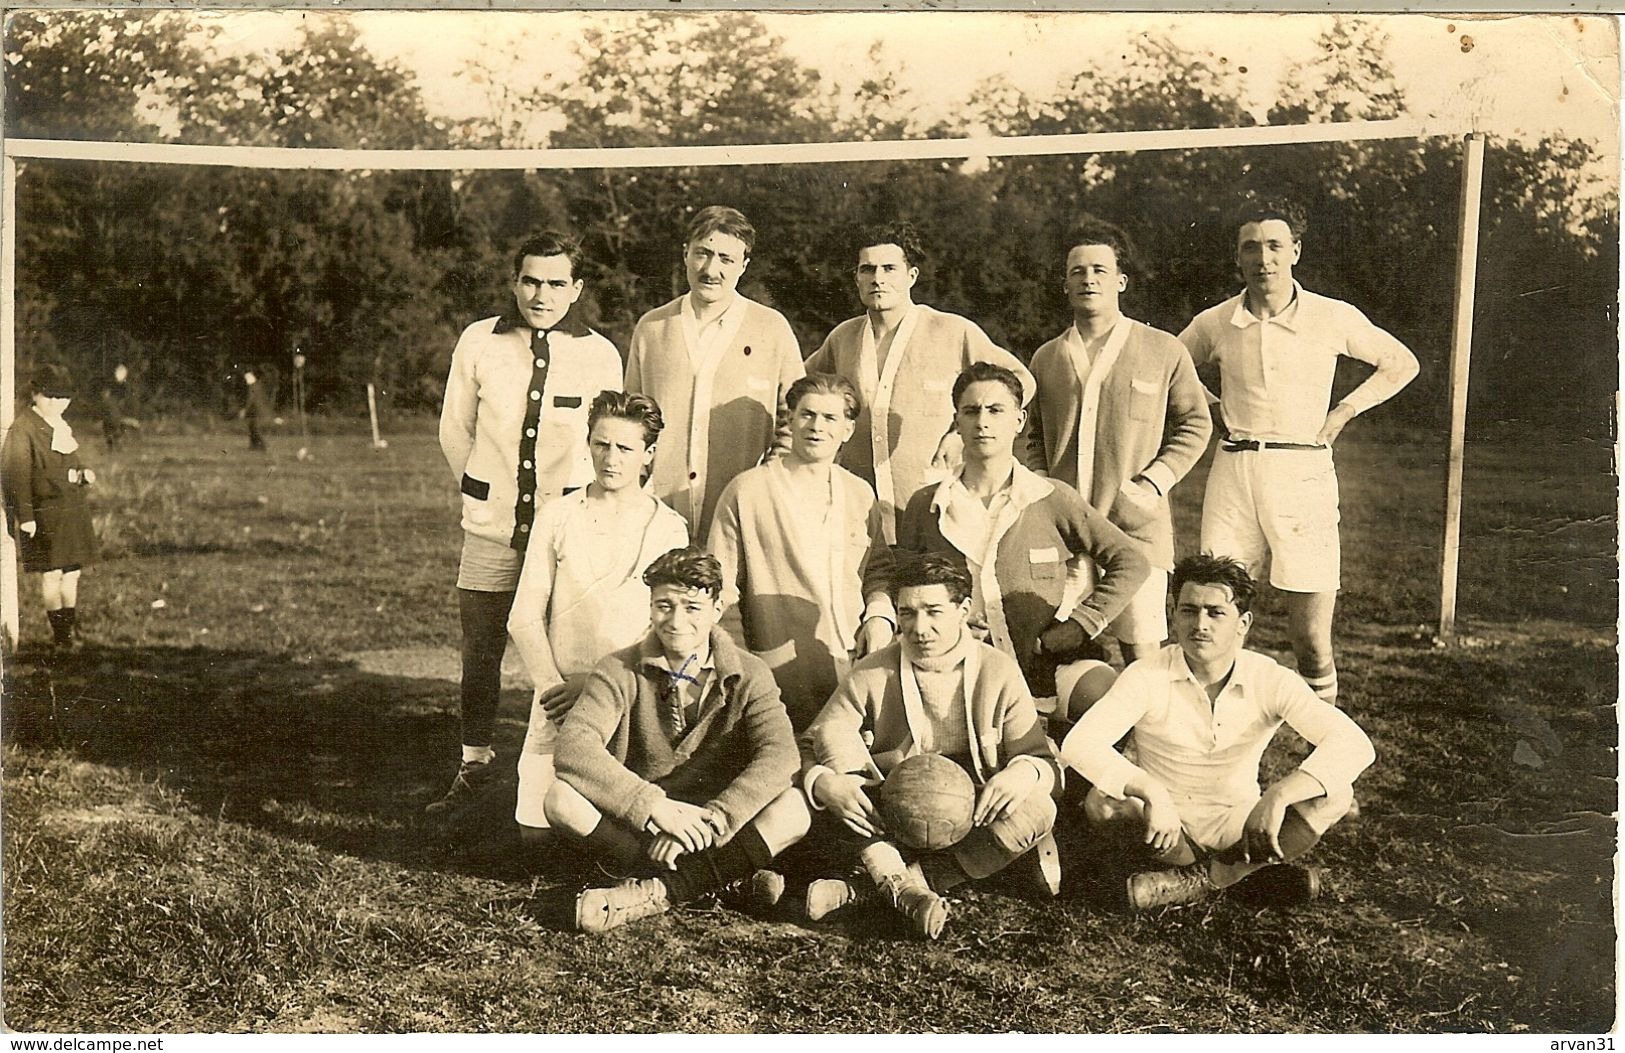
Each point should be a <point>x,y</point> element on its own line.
<point>8,387</point>
<point>755,154</point>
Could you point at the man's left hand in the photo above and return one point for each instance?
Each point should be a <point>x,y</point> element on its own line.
<point>1336,421</point>
<point>1261,835</point>
<point>1005,792</point>
<point>558,700</point>
<point>1062,640</point>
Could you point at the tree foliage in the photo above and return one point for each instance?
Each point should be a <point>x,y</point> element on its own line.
<point>190,275</point>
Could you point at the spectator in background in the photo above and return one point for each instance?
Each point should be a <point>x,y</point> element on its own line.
<point>256,408</point>
<point>43,477</point>
<point>118,408</point>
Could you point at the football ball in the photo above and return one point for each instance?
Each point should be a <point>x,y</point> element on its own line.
<point>926,802</point>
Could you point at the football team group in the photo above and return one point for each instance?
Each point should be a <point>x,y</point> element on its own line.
<point>855,601</point>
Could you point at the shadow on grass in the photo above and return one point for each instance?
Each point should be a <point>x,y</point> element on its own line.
<point>312,750</point>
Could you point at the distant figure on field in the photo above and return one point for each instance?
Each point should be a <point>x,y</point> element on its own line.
<point>44,479</point>
<point>118,408</point>
<point>513,430</point>
<point>1120,417</point>
<point>719,365</point>
<point>256,408</point>
<point>1202,711</point>
<point>1272,492</point>
<point>903,357</point>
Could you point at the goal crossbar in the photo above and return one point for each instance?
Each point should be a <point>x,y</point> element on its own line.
<point>17,150</point>
<point>710,156</point>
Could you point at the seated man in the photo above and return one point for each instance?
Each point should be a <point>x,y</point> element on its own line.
<point>678,757</point>
<point>1021,535</point>
<point>936,690</point>
<point>794,538</point>
<point>1203,710</point>
<point>581,593</point>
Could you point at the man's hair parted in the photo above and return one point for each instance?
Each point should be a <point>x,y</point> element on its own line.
<point>1258,208</point>
<point>689,568</point>
<point>914,571</point>
<point>895,232</point>
<point>550,243</point>
<point>1092,230</point>
<point>1208,569</point>
<point>977,372</point>
<point>720,219</point>
<point>624,405</point>
<point>825,384</point>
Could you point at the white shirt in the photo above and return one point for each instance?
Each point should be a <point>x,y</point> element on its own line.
<point>1207,752</point>
<point>1276,373</point>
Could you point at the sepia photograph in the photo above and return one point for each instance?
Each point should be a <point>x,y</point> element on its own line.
<point>720,521</point>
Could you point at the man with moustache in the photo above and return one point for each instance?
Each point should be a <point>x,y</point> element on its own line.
<point>718,364</point>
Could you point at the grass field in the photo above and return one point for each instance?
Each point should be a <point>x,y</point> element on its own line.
<point>210,816</point>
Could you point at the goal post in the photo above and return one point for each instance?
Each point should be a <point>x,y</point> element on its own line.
<point>767,154</point>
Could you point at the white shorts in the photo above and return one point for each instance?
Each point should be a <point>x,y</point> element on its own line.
<point>1144,622</point>
<point>536,774</point>
<point>1277,503</point>
<point>487,566</point>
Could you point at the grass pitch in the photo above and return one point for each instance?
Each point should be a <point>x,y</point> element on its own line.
<point>211,815</point>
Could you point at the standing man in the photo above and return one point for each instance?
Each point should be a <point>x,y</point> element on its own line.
<point>514,432</point>
<point>1120,417</point>
<point>256,408</point>
<point>1273,490</point>
<point>1018,534</point>
<point>718,364</point>
<point>903,357</point>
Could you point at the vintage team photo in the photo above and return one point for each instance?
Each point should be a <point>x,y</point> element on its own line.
<point>758,522</point>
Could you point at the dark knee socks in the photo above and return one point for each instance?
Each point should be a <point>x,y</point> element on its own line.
<point>484,618</point>
<point>62,624</point>
<point>716,868</point>
<point>617,843</point>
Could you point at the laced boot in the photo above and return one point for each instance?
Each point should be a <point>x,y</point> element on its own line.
<point>603,909</point>
<point>1168,888</point>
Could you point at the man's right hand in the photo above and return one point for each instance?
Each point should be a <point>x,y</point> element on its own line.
<point>686,823</point>
<point>1163,827</point>
<point>843,795</point>
<point>30,528</point>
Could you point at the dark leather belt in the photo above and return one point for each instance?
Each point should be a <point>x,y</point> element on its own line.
<point>1242,445</point>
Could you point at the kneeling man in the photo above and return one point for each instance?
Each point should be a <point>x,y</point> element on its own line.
<point>936,690</point>
<point>1202,711</point>
<point>678,757</point>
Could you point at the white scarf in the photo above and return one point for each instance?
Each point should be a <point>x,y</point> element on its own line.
<point>62,440</point>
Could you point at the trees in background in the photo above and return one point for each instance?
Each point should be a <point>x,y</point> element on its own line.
<point>190,275</point>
